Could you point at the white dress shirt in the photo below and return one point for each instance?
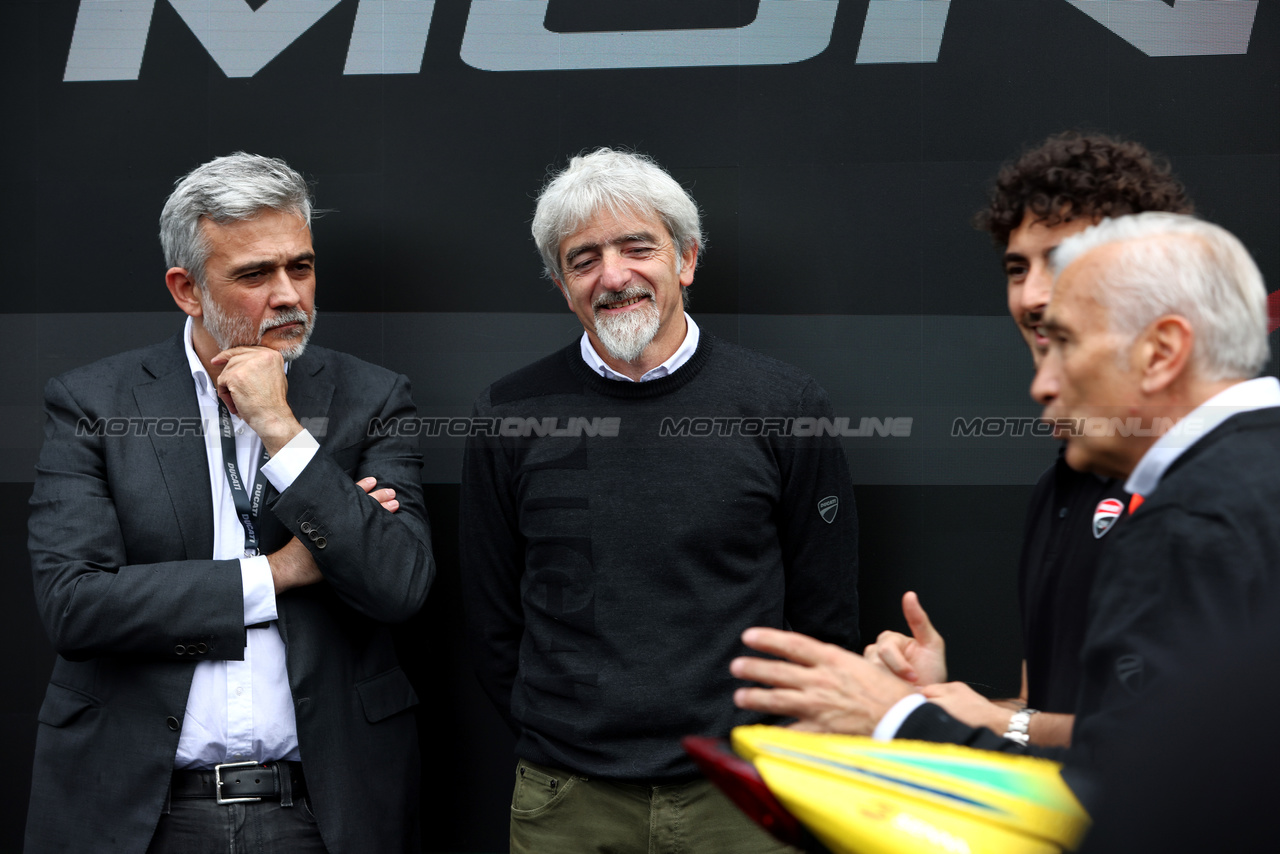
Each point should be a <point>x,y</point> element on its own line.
<point>241,710</point>
<point>1247,396</point>
<point>682,354</point>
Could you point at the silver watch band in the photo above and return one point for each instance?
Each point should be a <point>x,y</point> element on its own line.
<point>1020,726</point>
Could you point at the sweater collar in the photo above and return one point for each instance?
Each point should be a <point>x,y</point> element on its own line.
<point>691,367</point>
<point>682,355</point>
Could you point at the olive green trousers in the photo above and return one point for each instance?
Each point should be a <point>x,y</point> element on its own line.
<point>557,812</point>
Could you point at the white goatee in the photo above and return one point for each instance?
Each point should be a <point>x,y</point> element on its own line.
<point>626,335</point>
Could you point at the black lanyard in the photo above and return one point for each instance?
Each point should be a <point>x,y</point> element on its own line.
<point>248,507</point>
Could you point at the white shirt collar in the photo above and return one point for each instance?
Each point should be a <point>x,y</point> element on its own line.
<point>198,373</point>
<point>682,354</point>
<point>1246,396</point>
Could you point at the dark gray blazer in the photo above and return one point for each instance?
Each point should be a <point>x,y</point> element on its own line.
<point>1193,566</point>
<point>120,536</point>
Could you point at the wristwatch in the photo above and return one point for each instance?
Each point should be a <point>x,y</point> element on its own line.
<point>1020,726</point>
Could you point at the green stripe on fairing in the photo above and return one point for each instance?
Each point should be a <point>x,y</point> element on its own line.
<point>1010,782</point>
<point>847,766</point>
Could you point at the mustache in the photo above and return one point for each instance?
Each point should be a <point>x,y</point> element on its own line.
<point>629,292</point>
<point>289,315</point>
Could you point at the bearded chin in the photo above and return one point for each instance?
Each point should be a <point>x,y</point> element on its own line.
<point>627,335</point>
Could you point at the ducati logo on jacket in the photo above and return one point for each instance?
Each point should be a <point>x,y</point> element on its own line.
<point>1105,516</point>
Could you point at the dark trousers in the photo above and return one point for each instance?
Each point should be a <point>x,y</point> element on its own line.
<point>203,826</point>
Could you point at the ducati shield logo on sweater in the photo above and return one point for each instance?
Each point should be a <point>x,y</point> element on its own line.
<point>827,508</point>
<point>1105,515</point>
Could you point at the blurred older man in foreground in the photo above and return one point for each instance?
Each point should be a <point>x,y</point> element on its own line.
<point>1156,327</point>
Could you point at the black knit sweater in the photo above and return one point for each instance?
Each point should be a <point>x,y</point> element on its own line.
<point>607,577</point>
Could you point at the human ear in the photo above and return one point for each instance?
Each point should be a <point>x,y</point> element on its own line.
<point>688,261</point>
<point>183,290</point>
<point>1164,351</point>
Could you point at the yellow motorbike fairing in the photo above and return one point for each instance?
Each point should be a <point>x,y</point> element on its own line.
<point>861,796</point>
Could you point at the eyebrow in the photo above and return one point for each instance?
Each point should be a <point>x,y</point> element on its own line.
<point>251,266</point>
<point>640,236</point>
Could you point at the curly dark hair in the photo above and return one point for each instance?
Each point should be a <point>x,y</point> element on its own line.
<point>1072,174</point>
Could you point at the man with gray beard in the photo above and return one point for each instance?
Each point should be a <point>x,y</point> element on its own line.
<point>688,490</point>
<point>217,577</point>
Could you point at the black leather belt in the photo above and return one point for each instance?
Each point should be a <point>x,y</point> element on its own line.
<point>242,782</point>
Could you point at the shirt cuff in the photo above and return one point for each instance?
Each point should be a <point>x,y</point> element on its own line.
<point>893,719</point>
<point>259,590</point>
<point>283,469</point>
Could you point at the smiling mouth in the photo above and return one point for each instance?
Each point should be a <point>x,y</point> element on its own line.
<point>614,306</point>
<point>1034,322</point>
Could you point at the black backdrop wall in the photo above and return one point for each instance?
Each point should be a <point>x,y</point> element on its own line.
<point>837,147</point>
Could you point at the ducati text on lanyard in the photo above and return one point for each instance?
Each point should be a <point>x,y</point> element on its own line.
<point>248,507</point>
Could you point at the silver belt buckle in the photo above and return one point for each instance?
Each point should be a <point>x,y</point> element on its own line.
<point>217,776</point>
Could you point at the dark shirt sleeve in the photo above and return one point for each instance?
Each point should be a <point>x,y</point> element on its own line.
<point>1031,558</point>
<point>1062,547</point>
<point>930,722</point>
<point>492,560</point>
<point>818,532</point>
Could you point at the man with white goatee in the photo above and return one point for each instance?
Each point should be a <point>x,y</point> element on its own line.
<point>687,491</point>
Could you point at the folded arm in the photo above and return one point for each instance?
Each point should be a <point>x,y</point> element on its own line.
<point>379,563</point>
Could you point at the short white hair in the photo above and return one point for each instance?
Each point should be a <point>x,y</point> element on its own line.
<point>1177,264</point>
<point>620,182</point>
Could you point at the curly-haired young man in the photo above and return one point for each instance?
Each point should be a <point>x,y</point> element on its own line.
<point>1059,188</point>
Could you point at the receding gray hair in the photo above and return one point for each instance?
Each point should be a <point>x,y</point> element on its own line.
<point>620,182</point>
<point>1176,264</point>
<point>226,189</point>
